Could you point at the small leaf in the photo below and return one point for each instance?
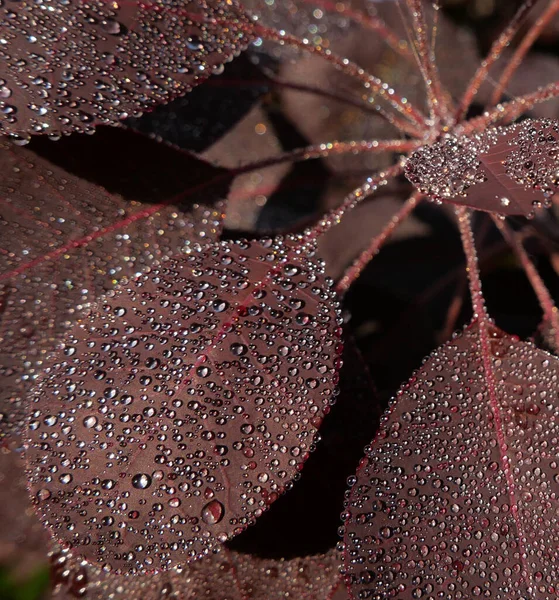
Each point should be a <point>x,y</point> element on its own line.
<point>506,170</point>
<point>459,492</point>
<point>68,66</point>
<point>70,229</point>
<point>180,410</point>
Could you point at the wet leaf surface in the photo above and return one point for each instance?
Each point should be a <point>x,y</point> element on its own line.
<point>506,170</point>
<point>181,409</point>
<point>69,66</point>
<point>225,576</point>
<point>70,229</point>
<point>305,521</point>
<point>24,544</point>
<point>458,492</point>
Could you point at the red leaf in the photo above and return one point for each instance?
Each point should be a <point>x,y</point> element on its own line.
<point>65,240</point>
<point>185,405</point>
<point>507,170</point>
<point>225,576</point>
<point>23,541</point>
<point>458,493</point>
<point>69,66</point>
<point>24,544</point>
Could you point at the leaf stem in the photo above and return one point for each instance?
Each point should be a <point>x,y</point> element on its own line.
<point>437,98</point>
<point>523,48</point>
<point>371,83</point>
<point>508,112</point>
<point>484,323</point>
<point>357,196</point>
<point>495,52</point>
<point>373,23</point>
<point>472,266</point>
<point>549,309</point>
<point>331,149</point>
<point>356,268</point>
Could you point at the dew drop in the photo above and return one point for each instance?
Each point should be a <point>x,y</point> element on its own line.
<point>213,512</point>
<point>141,481</point>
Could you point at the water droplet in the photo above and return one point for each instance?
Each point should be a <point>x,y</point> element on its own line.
<point>213,512</point>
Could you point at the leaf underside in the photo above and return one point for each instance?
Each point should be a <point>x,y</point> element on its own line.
<point>458,494</point>
<point>71,229</point>
<point>68,66</point>
<point>185,405</point>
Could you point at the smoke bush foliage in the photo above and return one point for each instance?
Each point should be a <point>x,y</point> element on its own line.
<point>191,319</point>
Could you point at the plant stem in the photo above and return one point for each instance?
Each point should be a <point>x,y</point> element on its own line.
<point>472,266</point>
<point>523,48</point>
<point>373,23</point>
<point>357,196</point>
<point>544,297</point>
<point>373,84</point>
<point>436,98</point>
<point>330,149</point>
<point>507,112</point>
<point>356,268</point>
<point>495,52</point>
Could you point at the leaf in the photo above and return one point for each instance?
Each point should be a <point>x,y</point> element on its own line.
<point>506,170</point>
<point>23,540</point>
<point>69,66</point>
<point>71,228</point>
<point>225,575</point>
<point>305,522</point>
<point>457,496</point>
<point>182,408</point>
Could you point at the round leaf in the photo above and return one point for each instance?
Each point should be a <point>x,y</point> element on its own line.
<point>458,495</point>
<point>67,66</point>
<point>185,405</point>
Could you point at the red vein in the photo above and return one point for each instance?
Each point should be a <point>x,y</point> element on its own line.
<point>484,322</point>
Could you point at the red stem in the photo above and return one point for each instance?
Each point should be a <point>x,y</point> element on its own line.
<point>519,54</point>
<point>484,323</point>
<point>373,23</point>
<point>351,201</point>
<point>371,83</point>
<point>494,54</point>
<point>427,65</point>
<point>376,243</point>
<point>544,297</point>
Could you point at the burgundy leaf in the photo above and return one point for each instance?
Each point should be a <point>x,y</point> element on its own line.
<point>68,66</point>
<point>182,408</point>
<point>22,538</point>
<point>24,544</point>
<point>65,240</point>
<point>458,493</point>
<point>224,576</point>
<point>506,170</point>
